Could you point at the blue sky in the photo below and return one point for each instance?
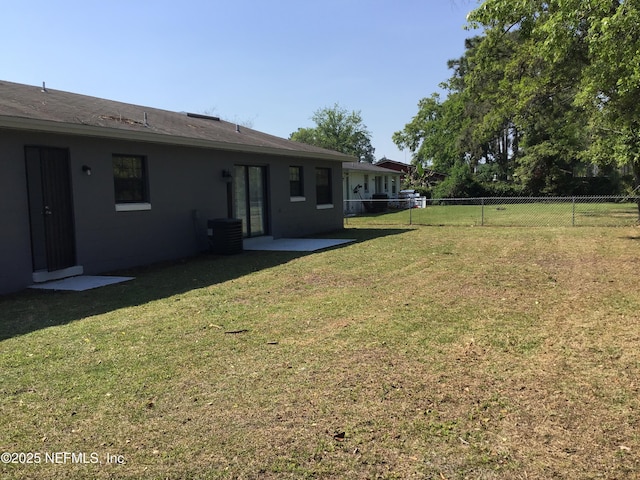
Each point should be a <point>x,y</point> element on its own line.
<point>271,63</point>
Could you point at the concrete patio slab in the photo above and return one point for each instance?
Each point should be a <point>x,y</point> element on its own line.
<point>292,244</point>
<point>80,283</point>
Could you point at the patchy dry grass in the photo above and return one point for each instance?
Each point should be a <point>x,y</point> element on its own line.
<point>444,353</point>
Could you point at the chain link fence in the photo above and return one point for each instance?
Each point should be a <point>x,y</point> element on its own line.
<point>496,211</point>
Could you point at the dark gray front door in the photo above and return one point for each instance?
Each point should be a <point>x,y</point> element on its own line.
<point>50,208</point>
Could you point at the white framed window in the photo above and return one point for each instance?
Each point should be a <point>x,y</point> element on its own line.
<point>130,183</point>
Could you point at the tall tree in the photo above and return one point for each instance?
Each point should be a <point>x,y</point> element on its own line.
<point>457,133</point>
<point>576,54</point>
<point>340,130</point>
<point>432,134</point>
<point>490,135</point>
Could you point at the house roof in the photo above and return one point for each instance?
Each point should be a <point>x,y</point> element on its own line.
<point>395,165</point>
<point>406,168</point>
<point>43,109</point>
<point>367,167</point>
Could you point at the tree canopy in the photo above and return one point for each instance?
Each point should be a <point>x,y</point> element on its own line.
<point>584,55</point>
<point>549,89</point>
<point>340,130</point>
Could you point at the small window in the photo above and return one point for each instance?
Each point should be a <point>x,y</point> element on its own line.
<point>296,186</point>
<point>130,179</point>
<point>324,195</point>
<point>366,184</point>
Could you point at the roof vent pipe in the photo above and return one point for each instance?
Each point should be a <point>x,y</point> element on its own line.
<point>44,88</point>
<point>237,128</point>
<point>146,124</point>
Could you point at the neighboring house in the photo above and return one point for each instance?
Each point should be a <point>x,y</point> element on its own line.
<point>91,185</point>
<point>407,170</point>
<point>404,168</point>
<point>362,180</point>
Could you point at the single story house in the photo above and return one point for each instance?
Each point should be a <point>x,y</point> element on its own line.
<point>363,181</point>
<point>90,185</point>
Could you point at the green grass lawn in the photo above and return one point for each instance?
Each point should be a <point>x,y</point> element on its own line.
<point>412,353</point>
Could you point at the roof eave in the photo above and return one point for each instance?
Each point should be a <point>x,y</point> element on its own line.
<point>48,126</point>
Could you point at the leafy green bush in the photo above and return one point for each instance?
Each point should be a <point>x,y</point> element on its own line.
<point>459,184</point>
<point>501,189</point>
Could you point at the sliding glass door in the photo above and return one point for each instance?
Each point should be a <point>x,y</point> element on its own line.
<point>249,199</point>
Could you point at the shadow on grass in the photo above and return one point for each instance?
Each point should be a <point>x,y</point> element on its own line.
<point>32,310</point>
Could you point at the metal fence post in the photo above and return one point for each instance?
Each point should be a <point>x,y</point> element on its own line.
<point>573,211</point>
<point>410,208</point>
<point>482,220</point>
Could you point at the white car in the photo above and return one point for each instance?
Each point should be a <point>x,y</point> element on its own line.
<point>410,198</point>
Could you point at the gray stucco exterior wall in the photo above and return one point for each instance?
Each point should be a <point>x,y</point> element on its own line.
<point>186,189</point>
<point>15,246</point>
<point>302,218</point>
